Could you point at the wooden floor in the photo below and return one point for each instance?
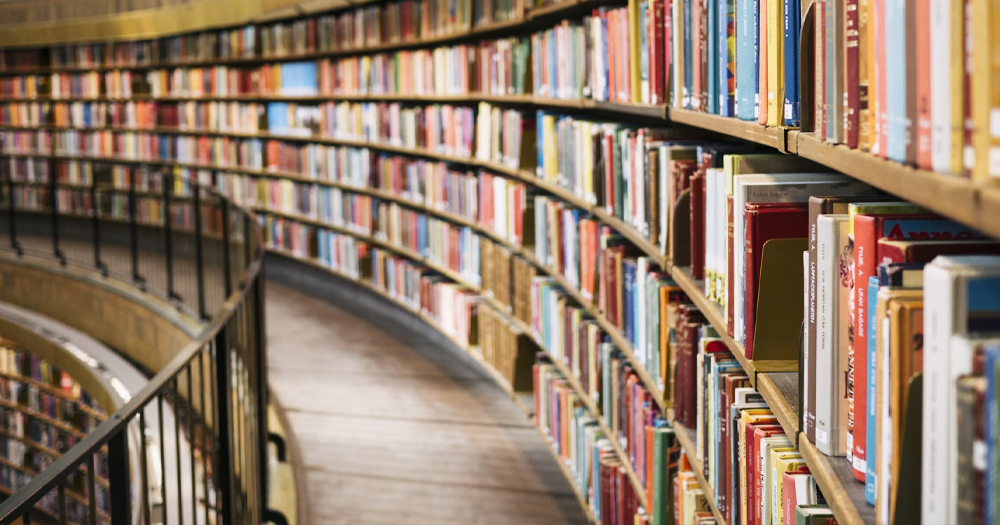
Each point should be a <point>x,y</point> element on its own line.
<point>395,430</point>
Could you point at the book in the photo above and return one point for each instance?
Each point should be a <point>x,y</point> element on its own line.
<point>955,282</point>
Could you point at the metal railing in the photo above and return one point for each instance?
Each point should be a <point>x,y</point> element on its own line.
<point>185,243</point>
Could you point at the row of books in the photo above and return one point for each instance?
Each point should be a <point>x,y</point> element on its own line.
<point>444,129</point>
<point>17,364</point>
<point>103,176</point>
<point>116,206</point>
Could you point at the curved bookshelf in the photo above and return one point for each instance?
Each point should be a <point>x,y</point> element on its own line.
<point>971,203</point>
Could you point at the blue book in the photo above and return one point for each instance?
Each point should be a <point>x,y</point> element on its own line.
<point>726,48</point>
<point>991,408</point>
<point>299,79</point>
<point>712,57</point>
<point>747,71</point>
<point>871,455</point>
<point>895,79</point>
<point>277,117</point>
<point>793,15</point>
<point>644,52</point>
<point>540,146</point>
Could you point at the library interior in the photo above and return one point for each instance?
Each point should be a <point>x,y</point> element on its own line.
<point>511,262</point>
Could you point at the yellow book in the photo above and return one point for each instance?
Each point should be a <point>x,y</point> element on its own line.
<point>781,462</point>
<point>958,93</point>
<point>985,106</point>
<point>635,53</point>
<point>551,170</point>
<point>588,163</point>
<point>775,62</point>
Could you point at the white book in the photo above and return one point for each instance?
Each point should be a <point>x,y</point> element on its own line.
<point>764,478</point>
<point>946,289</point>
<point>770,188</point>
<point>831,351</point>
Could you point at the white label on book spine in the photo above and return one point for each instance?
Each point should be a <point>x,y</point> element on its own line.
<point>821,436</point>
<point>979,455</point>
<point>995,122</point>
<point>994,162</point>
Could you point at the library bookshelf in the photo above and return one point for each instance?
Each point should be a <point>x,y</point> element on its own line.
<point>971,203</point>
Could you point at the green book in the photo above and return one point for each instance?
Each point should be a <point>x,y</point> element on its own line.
<point>663,487</point>
<point>813,515</point>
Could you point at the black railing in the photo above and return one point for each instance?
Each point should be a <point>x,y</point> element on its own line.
<point>186,244</point>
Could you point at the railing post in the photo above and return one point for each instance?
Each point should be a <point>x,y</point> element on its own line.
<point>260,343</point>
<point>199,255</point>
<point>54,190</point>
<point>226,269</point>
<point>12,211</point>
<point>224,450</point>
<point>118,477</point>
<point>168,185</point>
<point>98,263</point>
<point>134,228</point>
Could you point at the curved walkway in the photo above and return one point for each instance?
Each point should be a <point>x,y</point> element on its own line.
<point>393,428</point>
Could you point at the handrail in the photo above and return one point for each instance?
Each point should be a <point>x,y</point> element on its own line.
<point>226,359</point>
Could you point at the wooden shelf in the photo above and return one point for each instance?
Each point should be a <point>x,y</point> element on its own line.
<point>844,494</point>
<point>687,438</point>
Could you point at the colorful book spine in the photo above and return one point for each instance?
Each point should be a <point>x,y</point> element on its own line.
<point>747,69</point>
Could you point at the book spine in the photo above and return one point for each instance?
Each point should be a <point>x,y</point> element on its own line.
<point>730,292</point>
<point>762,38</point>
<point>822,388</point>
<point>792,27</point>
<point>985,105</point>
<point>992,467</point>
<point>746,59</point>
<point>966,415</point>
<point>809,355</point>
<point>872,415</point>
<point>910,117</point>
<point>864,73</point>
<point>750,265</point>
<point>924,64</point>
<point>776,65</point>
<point>852,65</point>
<point>698,225</point>
<point>896,88</point>
<point>940,44</point>
<point>864,265</point>
<point>819,84</point>
<point>711,30</point>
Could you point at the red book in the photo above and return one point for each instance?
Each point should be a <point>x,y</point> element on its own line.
<point>905,251</point>
<point>765,222</point>
<point>657,58</point>
<point>852,84</point>
<point>697,242</point>
<point>790,494</point>
<point>760,433</point>
<point>749,446</point>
